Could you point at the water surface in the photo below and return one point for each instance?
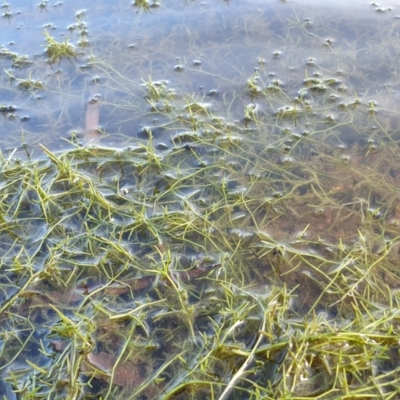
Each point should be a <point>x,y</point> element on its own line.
<point>200,200</point>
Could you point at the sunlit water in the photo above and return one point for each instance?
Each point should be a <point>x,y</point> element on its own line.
<point>303,67</point>
<point>204,49</point>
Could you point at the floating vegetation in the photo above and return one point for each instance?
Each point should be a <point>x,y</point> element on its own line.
<point>146,5</point>
<point>56,51</point>
<point>25,84</point>
<point>239,243</point>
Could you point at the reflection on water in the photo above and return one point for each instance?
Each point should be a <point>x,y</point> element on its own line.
<point>203,49</point>
<point>199,199</point>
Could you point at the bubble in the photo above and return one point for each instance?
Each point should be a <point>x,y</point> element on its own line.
<point>179,68</point>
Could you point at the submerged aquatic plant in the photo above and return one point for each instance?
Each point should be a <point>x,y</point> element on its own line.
<point>241,245</point>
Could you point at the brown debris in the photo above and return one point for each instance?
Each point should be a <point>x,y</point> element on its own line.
<point>126,374</point>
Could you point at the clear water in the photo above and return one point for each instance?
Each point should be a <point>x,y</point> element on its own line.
<point>205,49</point>
<point>313,169</point>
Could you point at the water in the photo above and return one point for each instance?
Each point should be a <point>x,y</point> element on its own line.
<point>202,49</point>
<point>201,201</point>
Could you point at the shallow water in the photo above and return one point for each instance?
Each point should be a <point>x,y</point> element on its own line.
<point>222,188</point>
<point>204,49</point>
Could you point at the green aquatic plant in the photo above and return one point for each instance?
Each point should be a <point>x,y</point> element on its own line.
<point>232,243</point>
<point>233,229</point>
<point>26,84</point>
<point>146,5</point>
<point>56,51</point>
